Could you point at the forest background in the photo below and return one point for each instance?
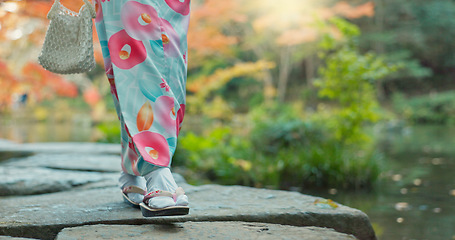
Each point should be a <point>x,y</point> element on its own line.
<point>350,100</point>
<point>281,96</point>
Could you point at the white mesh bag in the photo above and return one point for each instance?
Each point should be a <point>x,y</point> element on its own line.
<point>68,45</point>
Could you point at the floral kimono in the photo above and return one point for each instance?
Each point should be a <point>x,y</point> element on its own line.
<point>144,45</point>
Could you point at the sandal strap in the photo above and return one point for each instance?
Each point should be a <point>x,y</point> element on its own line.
<point>160,193</point>
<point>134,189</point>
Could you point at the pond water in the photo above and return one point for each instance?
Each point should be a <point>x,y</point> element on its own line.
<point>22,131</point>
<point>416,197</point>
<point>414,200</point>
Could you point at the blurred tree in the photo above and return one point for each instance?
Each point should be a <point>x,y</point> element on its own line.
<point>288,33</point>
<point>284,35</point>
<point>22,29</point>
<point>419,35</point>
<point>213,39</point>
<point>347,78</point>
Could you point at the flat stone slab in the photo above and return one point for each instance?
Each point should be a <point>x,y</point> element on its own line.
<point>83,184</point>
<point>43,216</point>
<point>60,147</point>
<point>202,230</point>
<point>46,173</point>
<point>36,180</point>
<point>13,238</point>
<point>70,161</point>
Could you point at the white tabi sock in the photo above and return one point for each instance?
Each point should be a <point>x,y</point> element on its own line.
<point>126,180</point>
<point>162,179</point>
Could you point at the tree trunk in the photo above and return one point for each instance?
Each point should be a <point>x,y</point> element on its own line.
<point>379,44</point>
<point>310,68</point>
<point>379,22</point>
<point>269,90</point>
<point>285,67</point>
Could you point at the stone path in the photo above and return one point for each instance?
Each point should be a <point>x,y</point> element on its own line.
<point>196,230</point>
<point>65,193</point>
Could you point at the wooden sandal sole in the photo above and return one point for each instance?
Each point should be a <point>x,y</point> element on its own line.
<point>169,211</point>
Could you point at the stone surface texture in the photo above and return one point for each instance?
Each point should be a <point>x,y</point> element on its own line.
<point>28,181</point>
<point>13,238</point>
<point>57,189</point>
<point>202,230</point>
<point>70,161</point>
<point>59,147</point>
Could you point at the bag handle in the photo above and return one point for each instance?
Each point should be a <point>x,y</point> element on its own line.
<point>90,8</point>
<point>87,3</point>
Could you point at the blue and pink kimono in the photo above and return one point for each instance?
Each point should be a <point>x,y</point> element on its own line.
<point>144,45</point>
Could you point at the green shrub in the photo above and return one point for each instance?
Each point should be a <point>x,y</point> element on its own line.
<point>279,152</point>
<point>438,108</point>
<point>347,79</point>
<point>281,126</point>
<point>108,132</point>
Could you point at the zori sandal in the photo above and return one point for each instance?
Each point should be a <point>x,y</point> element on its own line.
<point>179,208</point>
<point>132,189</point>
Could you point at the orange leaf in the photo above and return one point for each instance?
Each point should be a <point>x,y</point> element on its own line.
<point>297,36</point>
<point>92,96</point>
<point>144,118</point>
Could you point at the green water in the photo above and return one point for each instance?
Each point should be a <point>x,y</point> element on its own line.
<point>48,131</point>
<point>414,200</point>
<point>416,197</point>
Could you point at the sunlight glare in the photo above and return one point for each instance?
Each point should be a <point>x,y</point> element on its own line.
<point>285,14</point>
<point>15,34</point>
<point>9,6</point>
<point>288,8</point>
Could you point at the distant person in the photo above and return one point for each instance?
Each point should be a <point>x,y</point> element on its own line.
<point>19,101</point>
<point>145,51</point>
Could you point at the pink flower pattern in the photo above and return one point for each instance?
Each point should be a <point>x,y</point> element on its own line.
<point>153,147</point>
<point>164,85</point>
<point>141,21</point>
<point>179,6</point>
<point>126,52</point>
<point>171,40</point>
<point>145,54</point>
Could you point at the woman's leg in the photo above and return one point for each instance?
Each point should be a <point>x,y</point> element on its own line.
<point>144,47</point>
<point>126,179</point>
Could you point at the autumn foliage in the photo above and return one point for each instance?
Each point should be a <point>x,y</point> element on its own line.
<point>22,29</point>
<point>247,36</point>
<point>37,83</point>
<point>265,35</point>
